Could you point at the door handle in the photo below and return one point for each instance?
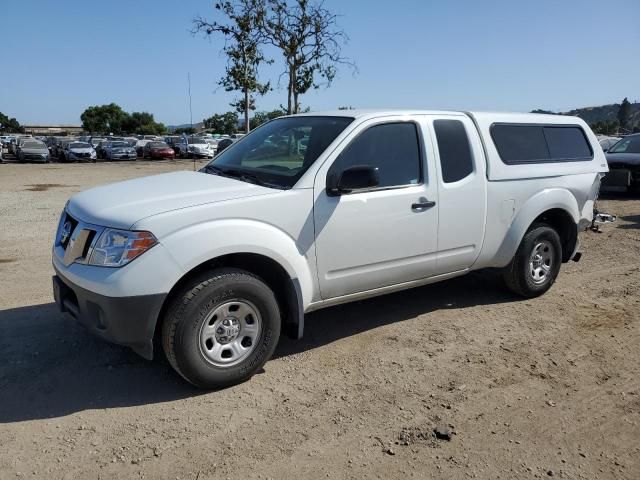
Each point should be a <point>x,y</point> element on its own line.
<point>423,205</point>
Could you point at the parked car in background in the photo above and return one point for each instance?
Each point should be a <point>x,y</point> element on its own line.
<point>196,147</point>
<point>624,164</point>
<point>213,143</point>
<point>95,141</point>
<point>140,144</point>
<point>607,142</point>
<point>100,148</point>
<point>79,151</point>
<point>55,146</point>
<point>120,150</point>
<point>18,143</point>
<point>5,140</point>
<point>174,143</point>
<point>61,148</point>
<point>132,141</point>
<point>155,149</point>
<point>32,150</point>
<point>224,143</point>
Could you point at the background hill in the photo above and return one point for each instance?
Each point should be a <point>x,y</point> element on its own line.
<point>603,115</point>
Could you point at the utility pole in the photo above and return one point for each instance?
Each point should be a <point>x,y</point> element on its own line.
<point>190,116</point>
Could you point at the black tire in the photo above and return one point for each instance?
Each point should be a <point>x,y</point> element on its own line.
<point>193,305</point>
<point>520,277</point>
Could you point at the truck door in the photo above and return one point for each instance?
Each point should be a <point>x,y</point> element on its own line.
<point>462,191</point>
<point>385,235</point>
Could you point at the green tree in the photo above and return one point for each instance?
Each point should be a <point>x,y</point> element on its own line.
<point>143,123</point>
<point>10,125</point>
<point>307,35</point>
<point>104,118</point>
<point>624,113</point>
<point>226,123</point>
<point>243,40</point>
<point>262,117</point>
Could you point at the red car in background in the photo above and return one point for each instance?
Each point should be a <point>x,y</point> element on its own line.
<point>158,150</point>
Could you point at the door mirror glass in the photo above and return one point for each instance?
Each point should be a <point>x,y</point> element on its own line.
<point>353,178</point>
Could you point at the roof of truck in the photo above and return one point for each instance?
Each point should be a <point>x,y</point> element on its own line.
<point>486,116</point>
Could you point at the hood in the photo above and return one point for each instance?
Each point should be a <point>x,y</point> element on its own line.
<point>630,158</point>
<point>122,204</point>
<point>81,150</point>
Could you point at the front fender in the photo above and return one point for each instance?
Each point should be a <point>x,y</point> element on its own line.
<point>548,199</point>
<point>197,244</point>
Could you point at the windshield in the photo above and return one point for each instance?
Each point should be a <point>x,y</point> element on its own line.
<point>79,145</point>
<point>34,145</point>
<point>119,144</point>
<point>279,152</point>
<point>627,145</point>
<point>198,141</point>
<point>158,145</point>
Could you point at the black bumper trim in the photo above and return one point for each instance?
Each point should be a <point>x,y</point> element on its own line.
<point>128,321</point>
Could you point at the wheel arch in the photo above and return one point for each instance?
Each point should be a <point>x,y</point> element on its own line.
<point>556,207</point>
<point>286,288</point>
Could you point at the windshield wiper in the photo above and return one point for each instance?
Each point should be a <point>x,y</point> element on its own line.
<point>241,175</point>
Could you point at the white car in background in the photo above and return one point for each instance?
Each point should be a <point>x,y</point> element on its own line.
<point>607,142</point>
<point>197,147</point>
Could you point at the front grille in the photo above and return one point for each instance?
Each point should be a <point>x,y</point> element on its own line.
<point>75,239</point>
<point>34,156</point>
<point>68,225</point>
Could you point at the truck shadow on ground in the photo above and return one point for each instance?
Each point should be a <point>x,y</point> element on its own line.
<point>51,367</point>
<point>634,222</point>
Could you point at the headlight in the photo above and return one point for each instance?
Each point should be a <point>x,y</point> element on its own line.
<point>116,248</point>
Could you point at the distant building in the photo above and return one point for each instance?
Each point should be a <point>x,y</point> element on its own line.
<point>52,129</point>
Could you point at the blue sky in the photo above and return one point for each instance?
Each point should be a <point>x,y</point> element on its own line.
<point>59,57</point>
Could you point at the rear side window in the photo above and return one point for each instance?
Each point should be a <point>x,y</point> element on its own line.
<point>391,148</point>
<point>540,143</point>
<point>567,143</point>
<point>455,152</point>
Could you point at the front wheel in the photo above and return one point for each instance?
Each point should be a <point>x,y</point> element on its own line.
<point>536,264</point>
<point>221,328</point>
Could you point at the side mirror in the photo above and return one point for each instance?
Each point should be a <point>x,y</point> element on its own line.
<point>353,178</point>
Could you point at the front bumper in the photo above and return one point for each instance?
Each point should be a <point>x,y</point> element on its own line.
<point>123,156</point>
<point>201,154</point>
<point>33,157</point>
<point>128,321</point>
<point>162,155</point>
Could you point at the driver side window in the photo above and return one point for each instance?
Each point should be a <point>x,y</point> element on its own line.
<point>393,149</point>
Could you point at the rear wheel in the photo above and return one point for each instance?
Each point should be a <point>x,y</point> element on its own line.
<point>536,264</point>
<point>221,328</point>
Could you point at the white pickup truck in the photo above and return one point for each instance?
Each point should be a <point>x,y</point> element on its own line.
<point>314,210</point>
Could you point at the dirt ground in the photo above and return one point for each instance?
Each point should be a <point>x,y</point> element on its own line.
<point>528,388</point>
